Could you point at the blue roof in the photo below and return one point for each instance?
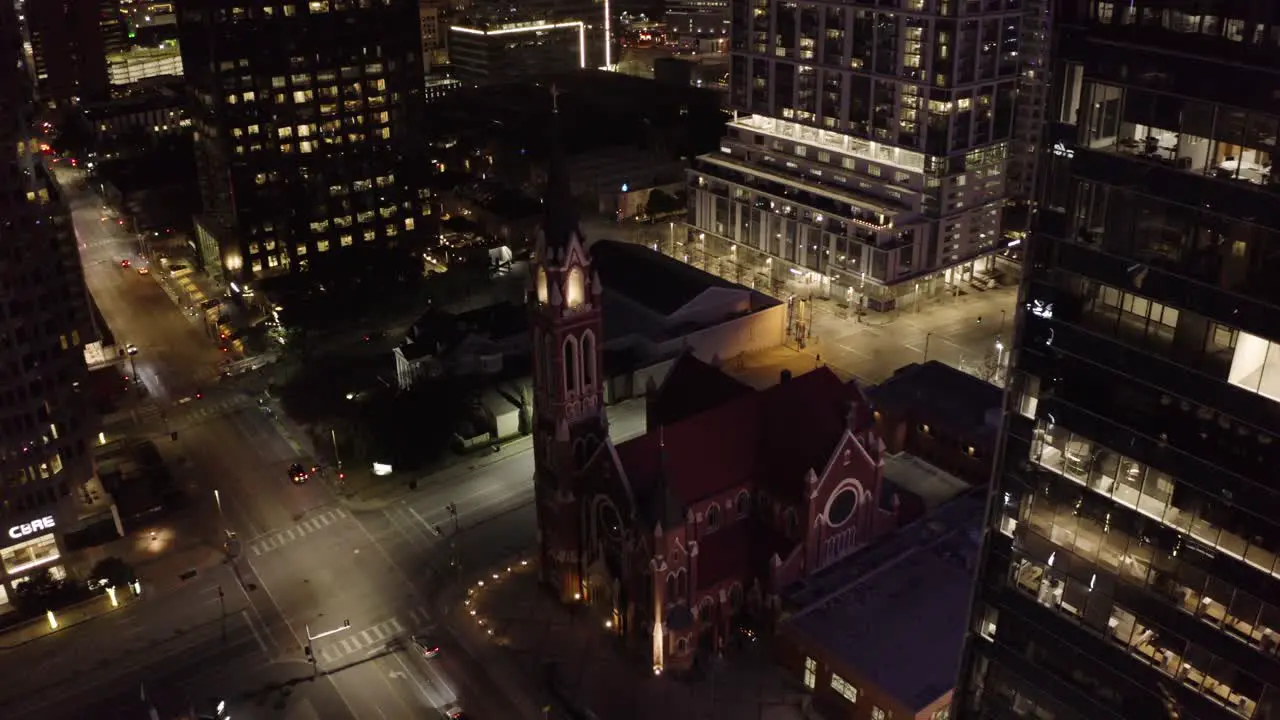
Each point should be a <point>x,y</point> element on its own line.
<point>895,613</point>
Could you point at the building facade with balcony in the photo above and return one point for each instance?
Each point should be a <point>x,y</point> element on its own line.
<point>304,147</point>
<point>45,417</point>
<point>1131,564</point>
<point>872,165</point>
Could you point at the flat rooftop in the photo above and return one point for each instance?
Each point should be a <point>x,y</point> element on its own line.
<point>895,612</point>
<point>934,486</point>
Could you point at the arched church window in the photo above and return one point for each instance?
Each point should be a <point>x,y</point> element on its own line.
<point>682,583</point>
<point>589,359</point>
<point>575,291</point>
<point>713,517</point>
<point>791,522</point>
<point>570,368</point>
<point>542,285</point>
<point>671,588</point>
<point>743,504</point>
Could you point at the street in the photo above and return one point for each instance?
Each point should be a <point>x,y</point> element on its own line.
<point>308,564</point>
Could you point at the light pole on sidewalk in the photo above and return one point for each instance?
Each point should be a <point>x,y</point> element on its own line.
<point>926,345</point>
<point>1000,333</point>
<point>337,459</point>
<point>452,508</point>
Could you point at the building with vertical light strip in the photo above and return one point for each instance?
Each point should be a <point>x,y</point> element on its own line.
<point>868,161</point>
<point>518,51</point>
<point>45,418</point>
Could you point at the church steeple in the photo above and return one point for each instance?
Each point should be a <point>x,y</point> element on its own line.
<point>568,373</point>
<point>560,216</point>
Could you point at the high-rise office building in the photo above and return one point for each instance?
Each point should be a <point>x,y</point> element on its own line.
<point>70,42</point>
<point>305,116</point>
<point>1131,567</point>
<point>45,420</point>
<point>871,164</point>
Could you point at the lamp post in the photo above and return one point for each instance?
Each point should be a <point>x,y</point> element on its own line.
<point>452,508</point>
<point>337,459</point>
<point>1002,317</point>
<point>927,336</point>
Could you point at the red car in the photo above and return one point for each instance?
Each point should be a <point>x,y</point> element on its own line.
<point>125,263</point>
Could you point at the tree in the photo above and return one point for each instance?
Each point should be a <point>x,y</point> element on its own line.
<point>662,202</point>
<point>40,592</point>
<point>113,572</point>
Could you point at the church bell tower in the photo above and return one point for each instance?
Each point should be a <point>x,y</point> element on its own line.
<point>568,398</point>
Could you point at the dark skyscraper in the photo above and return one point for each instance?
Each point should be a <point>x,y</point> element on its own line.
<point>305,114</point>
<point>1132,563</point>
<point>44,322</point>
<point>70,41</point>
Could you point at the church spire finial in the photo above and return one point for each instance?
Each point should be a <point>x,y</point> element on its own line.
<point>561,217</point>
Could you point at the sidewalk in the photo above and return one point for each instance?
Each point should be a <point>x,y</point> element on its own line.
<point>456,606</point>
<point>521,634</point>
<point>366,492</point>
<point>36,628</point>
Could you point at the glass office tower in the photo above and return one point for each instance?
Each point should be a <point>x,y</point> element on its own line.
<point>46,422</point>
<point>1130,564</point>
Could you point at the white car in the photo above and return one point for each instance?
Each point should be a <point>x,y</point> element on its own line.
<point>131,349</point>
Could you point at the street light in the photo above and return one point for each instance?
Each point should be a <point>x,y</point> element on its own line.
<point>926,345</point>
<point>346,624</point>
<point>452,508</point>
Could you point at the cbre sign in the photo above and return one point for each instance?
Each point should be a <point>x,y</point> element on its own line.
<point>17,532</point>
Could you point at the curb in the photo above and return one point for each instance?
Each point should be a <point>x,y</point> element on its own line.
<point>129,602</point>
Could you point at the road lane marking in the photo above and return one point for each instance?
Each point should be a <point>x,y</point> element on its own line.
<point>368,639</point>
<point>261,643</point>
<point>349,646</point>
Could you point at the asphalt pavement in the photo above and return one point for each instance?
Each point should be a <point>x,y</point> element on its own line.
<point>306,563</point>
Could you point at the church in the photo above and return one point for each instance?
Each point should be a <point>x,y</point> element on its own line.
<point>686,534</point>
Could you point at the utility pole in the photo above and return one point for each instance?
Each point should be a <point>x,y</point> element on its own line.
<point>454,560</point>
<point>222,606</point>
<point>337,459</point>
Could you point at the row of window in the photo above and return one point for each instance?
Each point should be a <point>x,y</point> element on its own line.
<point>849,692</point>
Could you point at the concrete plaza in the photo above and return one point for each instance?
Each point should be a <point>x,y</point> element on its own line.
<point>528,639</point>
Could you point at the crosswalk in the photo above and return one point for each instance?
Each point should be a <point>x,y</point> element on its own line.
<point>153,413</point>
<point>277,540</point>
<point>373,638</point>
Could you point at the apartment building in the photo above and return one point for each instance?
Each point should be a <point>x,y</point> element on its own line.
<point>868,160</point>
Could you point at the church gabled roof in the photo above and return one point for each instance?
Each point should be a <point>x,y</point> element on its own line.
<point>691,387</point>
<point>769,438</point>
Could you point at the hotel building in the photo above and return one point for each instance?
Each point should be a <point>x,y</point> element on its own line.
<point>868,161</point>
<point>304,116</point>
<point>45,420</point>
<point>1131,562</point>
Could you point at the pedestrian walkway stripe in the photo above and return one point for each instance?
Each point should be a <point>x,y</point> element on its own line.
<point>372,638</point>
<point>267,543</point>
